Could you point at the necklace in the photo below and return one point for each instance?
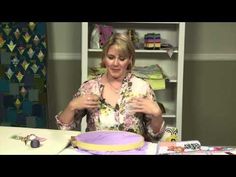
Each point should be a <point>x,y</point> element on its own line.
<point>111,86</point>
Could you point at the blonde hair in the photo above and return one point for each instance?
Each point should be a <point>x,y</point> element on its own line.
<point>125,46</point>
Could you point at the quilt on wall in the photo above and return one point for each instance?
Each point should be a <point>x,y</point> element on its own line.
<point>23,93</point>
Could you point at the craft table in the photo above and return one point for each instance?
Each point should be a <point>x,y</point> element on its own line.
<point>55,143</point>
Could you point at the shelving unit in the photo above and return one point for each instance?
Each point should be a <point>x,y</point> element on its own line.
<point>173,67</point>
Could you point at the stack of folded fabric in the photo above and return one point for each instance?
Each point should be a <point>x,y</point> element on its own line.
<point>153,74</point>
<point>95,71</point>
<point>152,41</point>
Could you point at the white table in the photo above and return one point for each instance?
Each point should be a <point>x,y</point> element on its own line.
<point>55,143</point>
<point>56,140</point>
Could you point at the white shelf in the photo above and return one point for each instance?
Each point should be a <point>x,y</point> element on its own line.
<point>137,51</point>
<point>172,80</point>
<point>169,115</point>
<point>167,23</point>
<point>173,67</point>
<point>153,51</point>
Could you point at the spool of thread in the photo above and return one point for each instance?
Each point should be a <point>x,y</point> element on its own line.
<point>35,143</point>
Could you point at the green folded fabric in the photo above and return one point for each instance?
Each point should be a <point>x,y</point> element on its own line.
<point>157,84</point>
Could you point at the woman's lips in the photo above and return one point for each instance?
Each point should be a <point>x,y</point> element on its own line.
<point>115,70</point>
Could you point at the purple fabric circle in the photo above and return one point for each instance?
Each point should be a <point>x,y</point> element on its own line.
<point>138,151</point>
<point>109,137</point>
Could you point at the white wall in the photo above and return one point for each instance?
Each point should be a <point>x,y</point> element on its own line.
<point>64,40</point>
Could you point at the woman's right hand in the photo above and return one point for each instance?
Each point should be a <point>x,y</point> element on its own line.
<point>86,101</point>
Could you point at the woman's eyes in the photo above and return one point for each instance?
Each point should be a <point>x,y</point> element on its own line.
<point>120,58</point>
<point>111,58</point>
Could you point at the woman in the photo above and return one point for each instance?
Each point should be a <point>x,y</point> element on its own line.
<point>117,99</point>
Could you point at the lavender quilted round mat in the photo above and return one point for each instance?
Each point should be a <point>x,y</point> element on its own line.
<point>109,138</point>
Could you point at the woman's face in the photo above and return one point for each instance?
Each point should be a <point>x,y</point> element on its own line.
<point>116,63</point>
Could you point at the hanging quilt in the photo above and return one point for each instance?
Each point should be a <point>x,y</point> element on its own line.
<point>23,76</point>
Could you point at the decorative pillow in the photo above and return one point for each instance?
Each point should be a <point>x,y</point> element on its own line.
<point>100,35</point>
<point>171,134</point>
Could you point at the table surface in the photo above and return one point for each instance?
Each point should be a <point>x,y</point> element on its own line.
<point>55,143</point>
<point>56,140</point>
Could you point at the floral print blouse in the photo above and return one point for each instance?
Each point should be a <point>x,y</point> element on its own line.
<point>107,117</point>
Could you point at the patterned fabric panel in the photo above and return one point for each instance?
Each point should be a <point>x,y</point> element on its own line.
<point>23,93</point>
